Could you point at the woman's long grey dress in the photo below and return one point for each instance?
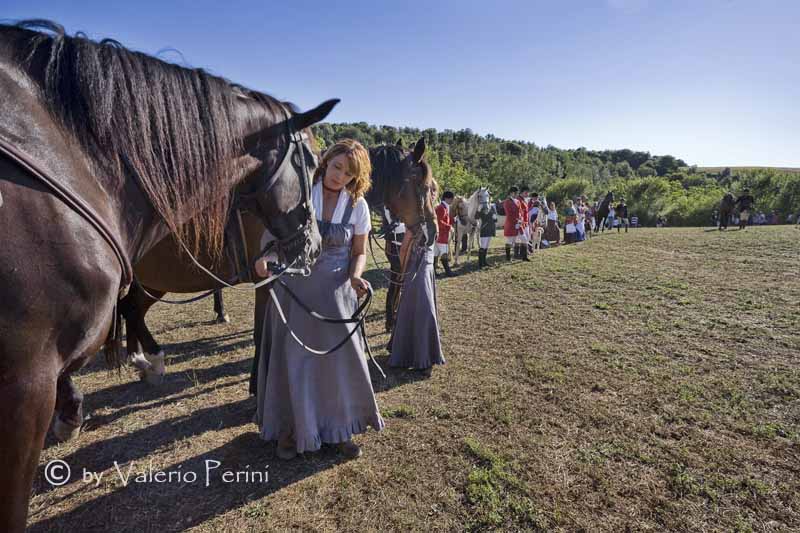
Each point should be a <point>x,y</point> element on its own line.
<point>318,398</point>
<point>415,341</point>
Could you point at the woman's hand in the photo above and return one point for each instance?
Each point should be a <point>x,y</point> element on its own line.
<point>360,285</point>
<point>261,268</point>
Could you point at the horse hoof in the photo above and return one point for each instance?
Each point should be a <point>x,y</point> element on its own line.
<point>223,319</point>
<point>140,362</point>
<point>64,431</point>
<point>154,375</point>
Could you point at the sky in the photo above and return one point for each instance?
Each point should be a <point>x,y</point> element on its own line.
<point>715,83</point>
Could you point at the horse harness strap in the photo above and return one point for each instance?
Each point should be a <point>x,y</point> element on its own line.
<point>78,204</point>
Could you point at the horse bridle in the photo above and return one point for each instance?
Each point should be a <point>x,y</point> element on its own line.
<point>301,236</point>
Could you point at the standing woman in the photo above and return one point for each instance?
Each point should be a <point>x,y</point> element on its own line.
<point>416,339</point>
<point>570,223</point>
<point>305,400</point>
<point>552,233</point>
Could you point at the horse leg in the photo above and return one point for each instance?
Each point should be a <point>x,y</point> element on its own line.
<point>69,408</point>
<point>144,352</point>
<point>27,399</point>
<point>456,245</point>
<point>219,308</point>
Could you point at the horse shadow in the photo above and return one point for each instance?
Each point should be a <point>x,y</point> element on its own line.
<point>178,352</point>
<point>180,505</point>
<point>127,397</point>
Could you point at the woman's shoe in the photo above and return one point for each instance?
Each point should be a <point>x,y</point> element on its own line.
<point>350,449</point>
<point>286,449</point>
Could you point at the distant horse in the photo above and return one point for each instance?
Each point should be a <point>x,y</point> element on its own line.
<point>726,206</point>
<point>466,229</point>
<point>103,152</point>
<point>601,213</point>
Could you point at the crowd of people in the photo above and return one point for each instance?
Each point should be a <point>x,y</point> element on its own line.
<point>530,223</point>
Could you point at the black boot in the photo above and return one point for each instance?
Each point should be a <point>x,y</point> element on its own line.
<point>524,250</point>
<point>446,265</point>
<point>508,252</point>
<point>481,258</point>
<point>435,264</point>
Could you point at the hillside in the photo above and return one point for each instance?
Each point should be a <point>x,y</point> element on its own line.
<point>653,185</point>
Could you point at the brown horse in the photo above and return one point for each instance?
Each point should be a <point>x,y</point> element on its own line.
<point>400,182</point>
<point>103,152</point>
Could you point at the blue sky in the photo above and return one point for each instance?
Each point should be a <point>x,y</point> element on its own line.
<point>711,82</point>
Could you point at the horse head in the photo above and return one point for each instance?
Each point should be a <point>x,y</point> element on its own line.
<point>277,189</point>
<point>402,182</point>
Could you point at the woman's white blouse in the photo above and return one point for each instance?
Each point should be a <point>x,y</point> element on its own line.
<point>359,218</point>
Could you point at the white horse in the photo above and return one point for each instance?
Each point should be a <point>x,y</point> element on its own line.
<point>467,226</point>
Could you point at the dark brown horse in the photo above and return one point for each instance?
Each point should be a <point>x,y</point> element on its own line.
<point>103,152</point>
<point>601,213</point>
<point>400,182</point>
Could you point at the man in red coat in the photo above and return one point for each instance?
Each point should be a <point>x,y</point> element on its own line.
<point>521,247</point>
<point>445,225</point>
<point>512,226</point>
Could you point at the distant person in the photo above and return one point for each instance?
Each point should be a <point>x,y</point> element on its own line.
<point>570,223</point>
<point>611,219</point>
<point>552,233</point>
<point>622,215</point>
<point>521,246</point>
<point>744,204</point>
<point>443,238</point>
<point>512,227</point>
<point>487,218</point>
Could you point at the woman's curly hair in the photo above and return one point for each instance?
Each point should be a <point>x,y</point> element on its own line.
<point>358,165</point>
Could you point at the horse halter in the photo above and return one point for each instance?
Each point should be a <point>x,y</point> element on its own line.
<point>301,236</point>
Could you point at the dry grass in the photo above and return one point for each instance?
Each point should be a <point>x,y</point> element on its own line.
<point>649,381</point>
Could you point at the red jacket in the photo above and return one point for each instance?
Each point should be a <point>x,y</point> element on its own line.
<point>511,207</point>
<point>523,211</point>
<point>443,218</point>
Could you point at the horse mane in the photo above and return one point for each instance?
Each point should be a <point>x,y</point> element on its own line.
<point>173,129</point>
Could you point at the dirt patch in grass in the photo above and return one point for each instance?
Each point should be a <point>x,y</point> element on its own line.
<point>650,381</point>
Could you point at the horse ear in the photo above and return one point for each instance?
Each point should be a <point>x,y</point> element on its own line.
<point>306,119</point>
<point>399,143</point>
<point>419,150</point>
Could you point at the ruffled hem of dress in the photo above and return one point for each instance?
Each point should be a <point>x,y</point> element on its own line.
<point>313,442</point>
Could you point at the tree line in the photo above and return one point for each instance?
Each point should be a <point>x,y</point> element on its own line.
<point>653,185</point>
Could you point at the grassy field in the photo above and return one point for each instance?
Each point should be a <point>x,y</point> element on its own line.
<point>646,381</point>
